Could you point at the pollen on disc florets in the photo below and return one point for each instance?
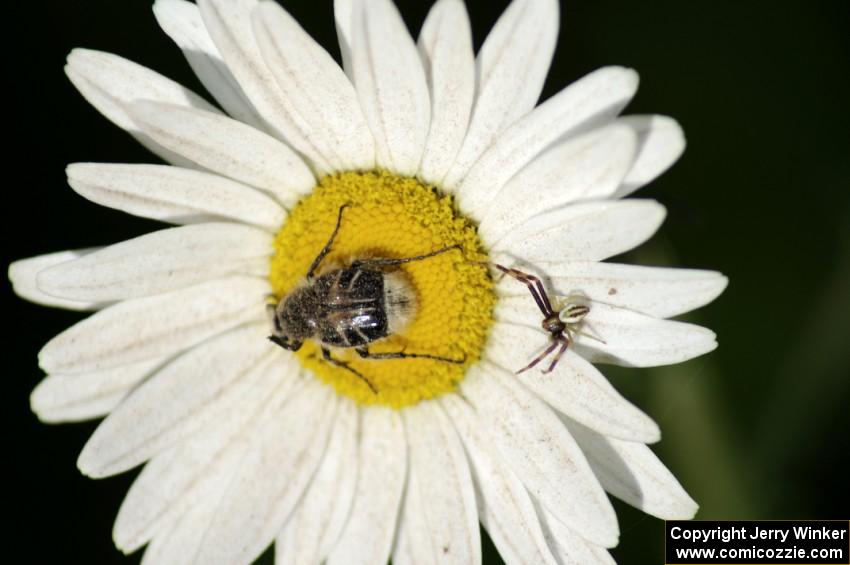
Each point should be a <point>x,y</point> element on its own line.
<point>393,216</point>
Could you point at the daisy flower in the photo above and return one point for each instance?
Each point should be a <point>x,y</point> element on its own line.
<point>428,146</point>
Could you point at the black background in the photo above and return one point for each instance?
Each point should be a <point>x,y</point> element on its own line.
<point>757,429</point>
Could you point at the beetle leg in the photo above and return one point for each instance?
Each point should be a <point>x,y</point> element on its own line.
<point>327,248</point>
<point>387,262</point>
<point>277,340</point>
<point>366,354</point>
<point>326,354</point>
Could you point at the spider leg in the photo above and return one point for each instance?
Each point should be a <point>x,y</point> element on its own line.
<point>327,248</point>
<point>366,354</point>
<point>591,336</point>
<point>535,287</point>
<point>388,262</point>
<point>326,355</point>
<point>541,289</point>
<point>565,343</point>
<point>540,357</point>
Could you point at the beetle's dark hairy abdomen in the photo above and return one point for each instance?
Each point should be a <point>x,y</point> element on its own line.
<point>351,307</point>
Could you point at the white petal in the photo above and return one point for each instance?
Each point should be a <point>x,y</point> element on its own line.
<point>109,83</point>
<point>510,71</point>
<point>542,453</point>
<point>70,398</point>
<point>589,166</point>
<point>632,473</point>
<point>178,539</point>
<point>656,291</point>
<point>660,142</point>
<point>636,340</point>
<point>587,231</point>
<point>155,326</point>
<point>318,521</point>
<point>448,520</point>
<point>445,45</point>
<point>574,388</point>
<point>159,262</point>
<point>182,22</point>
<point>343,15</point>
<point>171,482</point>
<point>173,194</point>
<point>227,147</point>
<point>314,84</point>
<point>390,82</point>
<point>504,506</point>
<point>570,547</point>
<point>368,534</point>
<point>190,392</point>
<point>413,544</point>
<point>24,273</point>
<point>181,531</point>
<point>402,552</point>
<point>229,24</point>
<point>272,478</point>
<point>589,102</point>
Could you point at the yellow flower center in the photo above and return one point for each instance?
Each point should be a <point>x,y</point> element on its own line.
<point>393,217</point>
